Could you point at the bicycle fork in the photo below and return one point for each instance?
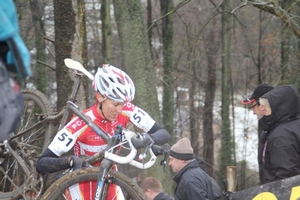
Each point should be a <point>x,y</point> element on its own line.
<point>102,179</point>
<point>105,166</point>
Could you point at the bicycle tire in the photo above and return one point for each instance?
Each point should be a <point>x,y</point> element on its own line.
<point>129,188</point>
<point>37,102</point>
<point>29,145</point>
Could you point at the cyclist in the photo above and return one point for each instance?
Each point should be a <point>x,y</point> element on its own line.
<point>15,58</point>
<point>114,90</point>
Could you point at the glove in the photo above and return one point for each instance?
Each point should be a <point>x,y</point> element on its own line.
<point>145,142</point>
<point>76,162</point>
<point>148,141</point>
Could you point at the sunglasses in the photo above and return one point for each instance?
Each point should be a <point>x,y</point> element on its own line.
<point>251,107</point>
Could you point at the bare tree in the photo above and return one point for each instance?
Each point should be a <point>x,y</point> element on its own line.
<point>136,58</point>
<point>37,11</point>
<point>168,76</point>
<point>106,31</point>
<point>210,88</point>
<point>70,42</point>
<point>226,150</point>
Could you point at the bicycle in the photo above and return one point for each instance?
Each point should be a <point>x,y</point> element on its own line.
<point>19,154</point>
<point>104,175</point>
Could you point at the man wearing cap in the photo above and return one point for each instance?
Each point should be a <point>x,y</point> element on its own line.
<point>253,101</point>
<point>192,182</point>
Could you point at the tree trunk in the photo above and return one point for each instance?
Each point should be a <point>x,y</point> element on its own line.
<point>70,42</point>
<point>41,72</point>
<point>136,56</point>
<point>193,112</point>
<point>106,31</point>
<point>208,135</point>
<point>226,151</point>
<point>149,23</point>
<point>168,77</point>
<point>285,46</point>
<point>137,62</point>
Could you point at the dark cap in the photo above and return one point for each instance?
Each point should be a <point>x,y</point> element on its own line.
<point>258,92</point>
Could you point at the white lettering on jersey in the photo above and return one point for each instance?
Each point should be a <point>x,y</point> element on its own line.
<point>62,142</point>
<point>141,119</point>
<point>77,123</point>
<point>129,105</point>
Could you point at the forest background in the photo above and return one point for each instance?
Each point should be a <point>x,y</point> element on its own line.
<point>192,62</point>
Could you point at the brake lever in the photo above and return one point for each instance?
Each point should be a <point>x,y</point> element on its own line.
<point>144,155</point>
<point>163,162</point>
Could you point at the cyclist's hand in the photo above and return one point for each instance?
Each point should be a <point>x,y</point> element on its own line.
<point>145,141</point>
<point>77,162</point>
<point>148,141</point>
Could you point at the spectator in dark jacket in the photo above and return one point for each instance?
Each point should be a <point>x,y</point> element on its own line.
<point>192,182</point>
<point>215,186</point>
<point>153,189</point>
<point>280,155</point>
<point>254,104</point>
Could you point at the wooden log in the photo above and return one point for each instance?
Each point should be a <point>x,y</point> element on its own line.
<point>231,178</point>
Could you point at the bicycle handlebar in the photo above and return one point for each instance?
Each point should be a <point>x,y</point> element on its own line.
<point>129,136</point>
<point>123,159</point>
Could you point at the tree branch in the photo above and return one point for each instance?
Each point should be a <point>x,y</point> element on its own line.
<point>46,38</point>
<point>45,64</point>
<point>273,8</point>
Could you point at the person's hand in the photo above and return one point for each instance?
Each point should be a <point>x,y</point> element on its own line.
<point>145,141</point>
<point>148,141</point>
<point>76,162</point>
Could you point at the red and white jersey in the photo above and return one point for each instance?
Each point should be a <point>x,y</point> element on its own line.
<point>86,142</point>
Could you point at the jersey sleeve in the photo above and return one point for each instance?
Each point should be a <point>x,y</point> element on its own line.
<point>62,142</point>
<point>138,117</point>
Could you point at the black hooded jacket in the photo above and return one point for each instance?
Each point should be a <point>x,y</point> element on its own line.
<point>279,149</point>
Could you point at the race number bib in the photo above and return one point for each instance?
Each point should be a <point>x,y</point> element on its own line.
<point>141,119</point>
<point>62,142</point>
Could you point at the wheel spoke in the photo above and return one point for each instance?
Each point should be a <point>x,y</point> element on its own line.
<point>29,146</point>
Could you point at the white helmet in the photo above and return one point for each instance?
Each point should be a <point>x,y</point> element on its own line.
<point>114,84</point>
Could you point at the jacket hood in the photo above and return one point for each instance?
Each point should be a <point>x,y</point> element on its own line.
<point>284,102</point>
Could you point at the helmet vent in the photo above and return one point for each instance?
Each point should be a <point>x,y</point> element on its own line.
<point>105,82</point>
<point>120,81</point>
<point>111,79</point>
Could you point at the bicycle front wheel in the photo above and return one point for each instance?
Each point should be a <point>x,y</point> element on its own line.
<point>126,187</point>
